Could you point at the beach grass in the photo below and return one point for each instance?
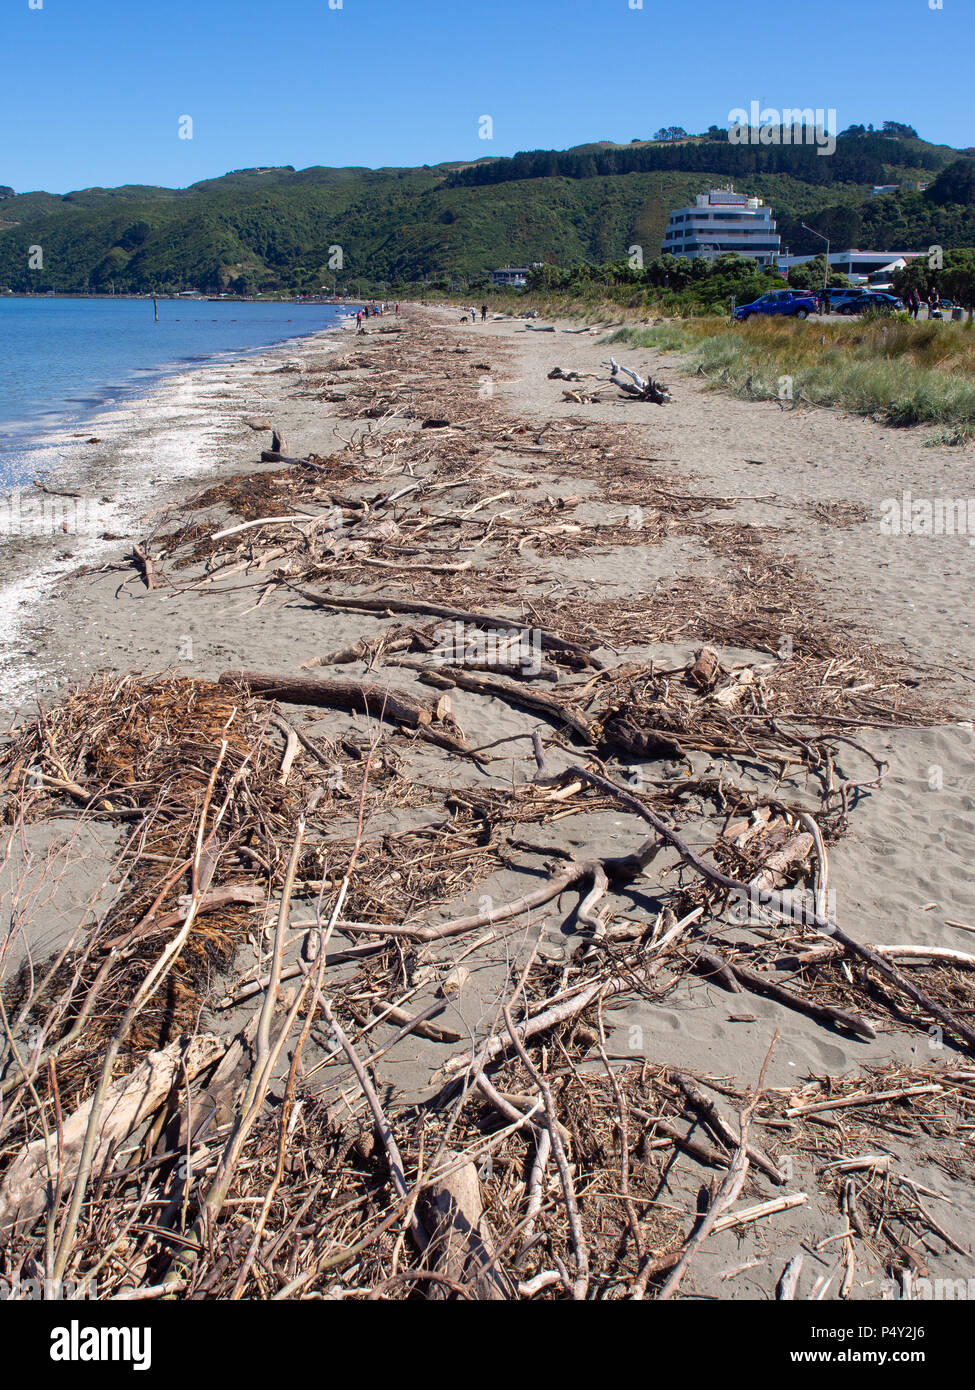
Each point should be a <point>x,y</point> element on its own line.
<point>900,372</point>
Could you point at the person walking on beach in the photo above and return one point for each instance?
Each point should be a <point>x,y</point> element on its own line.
<point>914,304</point>
<point>473,313</point>
<point>358,319</point>
<point>483,312</point>
<point>824,300</point>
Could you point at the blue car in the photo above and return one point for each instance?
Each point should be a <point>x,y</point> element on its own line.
<point>797,304</point>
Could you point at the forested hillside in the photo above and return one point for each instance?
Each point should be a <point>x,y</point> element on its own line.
<point>280,229</point>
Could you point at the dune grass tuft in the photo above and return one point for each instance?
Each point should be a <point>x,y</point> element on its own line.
<point>894,370</point>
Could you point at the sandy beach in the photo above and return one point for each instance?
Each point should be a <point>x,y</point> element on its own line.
<point>638,535</point>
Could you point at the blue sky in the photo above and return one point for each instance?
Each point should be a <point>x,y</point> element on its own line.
<point>93,91</point>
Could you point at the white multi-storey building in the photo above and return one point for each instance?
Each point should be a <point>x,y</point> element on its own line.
<point>721,221</point>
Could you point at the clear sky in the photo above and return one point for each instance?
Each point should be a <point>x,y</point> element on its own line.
<point>92,91</point>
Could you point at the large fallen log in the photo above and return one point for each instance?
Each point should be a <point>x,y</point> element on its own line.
<point>381,701</point>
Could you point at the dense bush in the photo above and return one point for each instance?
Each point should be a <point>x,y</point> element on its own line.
<point>676,283</point>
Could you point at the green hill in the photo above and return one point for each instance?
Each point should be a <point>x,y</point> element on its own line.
<point>276,229</point>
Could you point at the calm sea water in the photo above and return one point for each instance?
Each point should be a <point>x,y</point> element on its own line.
<point>62,359</point>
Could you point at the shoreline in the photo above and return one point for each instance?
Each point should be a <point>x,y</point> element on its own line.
<point>165,437</point>
<point>62,422</point>
<point>638,536</point>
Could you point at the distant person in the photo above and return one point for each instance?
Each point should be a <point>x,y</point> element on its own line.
<point>358,319</point>
<point>397,308</point>
<point>473,313</point>
<point>483,312</point>
<point>914,304</point>
<point>824,301</point>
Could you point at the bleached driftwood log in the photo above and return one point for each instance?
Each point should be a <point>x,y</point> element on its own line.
<point>648,390</point>
<point>461,1245</point>
<point>130,1101</point>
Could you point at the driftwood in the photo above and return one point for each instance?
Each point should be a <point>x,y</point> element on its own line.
<point>908,954</point>
<point>823,1013</point>
<point>485,683</point>
<point>705,669</point>
<point>713,1118</point>
<point>144,564</point>
<point>795,851</point>
<point>636,387</point>
<point>765,897</point>
<point>460,1244</point>
<point>572,653</point>
<point>789,1279</point>
<point>866,1098</point>
<point>211,901</point>
<point>300,1195</point>
<point>698,1149</point>
<point>128,1103</point>
<point>382,701</point>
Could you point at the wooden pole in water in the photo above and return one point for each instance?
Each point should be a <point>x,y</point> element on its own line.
<point>155,307</point>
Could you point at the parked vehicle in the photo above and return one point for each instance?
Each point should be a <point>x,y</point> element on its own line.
<point>797,304</point>
<point>839,297</point>
<point>871,299</point>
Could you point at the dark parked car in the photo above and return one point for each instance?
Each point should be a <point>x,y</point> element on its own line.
<point>794,303</point>
<point>840,296</point>
<point>875,300</point>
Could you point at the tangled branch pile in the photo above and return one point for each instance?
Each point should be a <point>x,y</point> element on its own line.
<point>192,1102</point>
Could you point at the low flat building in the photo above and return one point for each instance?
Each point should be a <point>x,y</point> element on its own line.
<point>858,266</point>
<point>720,221</point>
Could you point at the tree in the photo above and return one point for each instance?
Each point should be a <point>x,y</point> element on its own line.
<point>811,275</point>
<point>900,130</point>
<point>955,184</point>
<point>913,276</point>
<point>957,279</point>
<point>134,236</point>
